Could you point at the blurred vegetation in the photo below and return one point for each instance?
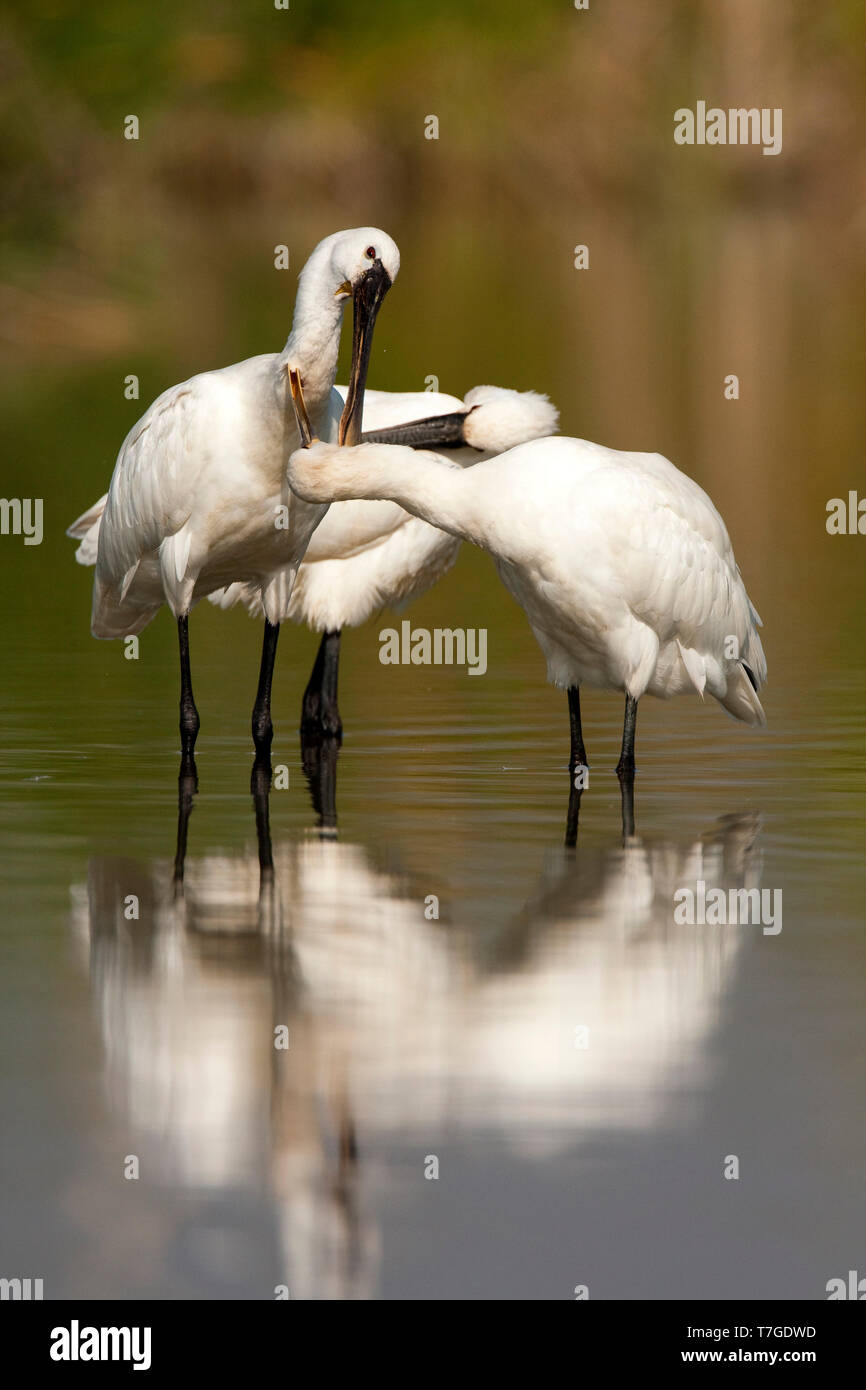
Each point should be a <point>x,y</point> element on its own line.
<point>155,257</point>
<point>243,106</point>
<point>262,126</point>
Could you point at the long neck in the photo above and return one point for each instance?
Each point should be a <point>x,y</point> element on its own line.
<point>314,342</point>
<point>425,484</point>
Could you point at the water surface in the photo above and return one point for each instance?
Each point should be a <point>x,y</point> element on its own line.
<point>457,1038</point>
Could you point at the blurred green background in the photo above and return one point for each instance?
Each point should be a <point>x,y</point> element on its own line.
<point>261,126</point>
<point>154,257</point>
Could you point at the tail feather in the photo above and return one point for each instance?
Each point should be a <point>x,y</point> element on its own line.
<point>741,698</point>
<point>86,530</point>
<point>111,617</point>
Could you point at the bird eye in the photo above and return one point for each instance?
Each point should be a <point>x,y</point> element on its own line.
<point>370,253</point>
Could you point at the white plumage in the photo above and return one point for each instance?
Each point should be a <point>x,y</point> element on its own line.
<point>199,479</point>
<point>399,1025</point>
<point>621,562</point>
<point>366,555</point>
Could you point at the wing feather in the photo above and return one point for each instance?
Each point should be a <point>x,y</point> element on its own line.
<point>156,475</point>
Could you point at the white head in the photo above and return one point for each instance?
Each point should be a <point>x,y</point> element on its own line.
<point>359,265</point>
<point>341,261</point>
<point>500,419</point>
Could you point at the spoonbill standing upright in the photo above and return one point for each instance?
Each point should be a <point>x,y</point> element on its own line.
<point>365,556</point>
<point>199,497</point>
<point>621,562</point>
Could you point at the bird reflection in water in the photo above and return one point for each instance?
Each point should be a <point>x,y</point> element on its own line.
<point>572,820</point>
<point>399,1028</point>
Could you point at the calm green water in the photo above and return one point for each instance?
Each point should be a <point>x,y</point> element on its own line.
<point>410,1038</point>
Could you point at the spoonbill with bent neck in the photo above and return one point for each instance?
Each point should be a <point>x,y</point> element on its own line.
<point>366,556</point>
<point>621,563</point>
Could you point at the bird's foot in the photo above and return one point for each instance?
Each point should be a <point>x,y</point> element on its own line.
<point>320,719</point>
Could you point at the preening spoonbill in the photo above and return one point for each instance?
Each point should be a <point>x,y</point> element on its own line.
<point>622,563</point>
<point>365,556</point>
<point>199,497</point>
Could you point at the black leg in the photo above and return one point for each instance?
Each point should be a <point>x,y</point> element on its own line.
<point>577,767</point>
<point>260,786</point>
<point>626,787</point>
<point>578,752</point>
<point>187,786</point>
<point>625,766</point>
<point>345,1185</point>
<point>348,1141</point>
<point>263,729</point>
<point>574,795</point>
<point>320,714</point>
<point>189,720</point>
<point>319,758</point>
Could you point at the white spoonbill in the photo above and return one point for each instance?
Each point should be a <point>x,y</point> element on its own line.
<point>199,497</point>
<point>365,556</point>
<point>621,562</point>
